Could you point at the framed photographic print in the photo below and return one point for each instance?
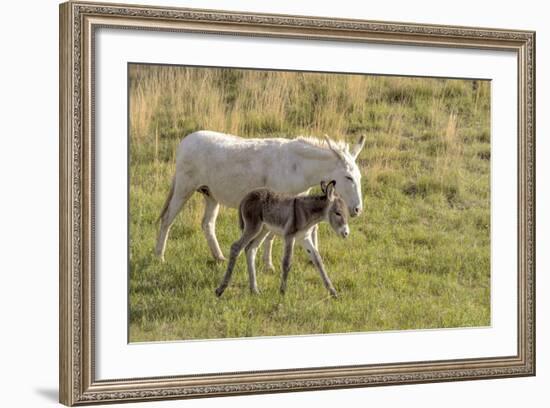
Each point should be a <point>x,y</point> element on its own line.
<point>256,203</point>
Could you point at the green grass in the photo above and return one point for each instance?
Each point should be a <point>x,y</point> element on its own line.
<point>417,258</point>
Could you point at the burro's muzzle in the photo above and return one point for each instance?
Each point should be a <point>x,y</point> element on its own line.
<point>355,211</point>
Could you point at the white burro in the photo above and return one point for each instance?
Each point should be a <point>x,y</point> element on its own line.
<point>224,168</point>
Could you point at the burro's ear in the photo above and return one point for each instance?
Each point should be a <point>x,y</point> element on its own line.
<point>330,190</point>
<point>355,150</point>
<point>334,149</point>
<point>323,186</point>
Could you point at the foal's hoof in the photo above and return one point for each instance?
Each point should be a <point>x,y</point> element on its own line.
<point>254,292</point>
<point>219,292</point>
<point>334,295</point>
<point>220,258</point>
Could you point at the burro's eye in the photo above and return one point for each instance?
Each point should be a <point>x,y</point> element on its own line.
<point>338,214</point>
<point>349,178</point>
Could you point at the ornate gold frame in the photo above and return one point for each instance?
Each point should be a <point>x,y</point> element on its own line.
<point>78,21</point>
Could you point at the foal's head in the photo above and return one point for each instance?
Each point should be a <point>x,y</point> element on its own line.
<point>337,209</point>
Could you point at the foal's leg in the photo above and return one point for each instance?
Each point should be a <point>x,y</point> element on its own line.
<point>180,192</point>
<point>268,246</point>
<point>308,244</point>
<point>251,250</point>
<point>287,258</point>
<point>249,233</point>
<point>314,237</point>
<point>209,225</point>
<point>309,233</point>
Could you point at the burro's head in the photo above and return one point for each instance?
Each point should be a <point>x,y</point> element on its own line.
<point>346,173</point>
<point>337,213</point>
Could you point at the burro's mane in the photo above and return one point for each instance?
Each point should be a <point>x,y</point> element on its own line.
<point>314,141</point>
<point>340,147</point>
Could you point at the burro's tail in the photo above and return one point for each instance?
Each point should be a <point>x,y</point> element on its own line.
<point>168,199</point>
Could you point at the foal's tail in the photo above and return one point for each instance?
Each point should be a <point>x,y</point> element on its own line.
<point>168,199</point>
<point>241,220</point>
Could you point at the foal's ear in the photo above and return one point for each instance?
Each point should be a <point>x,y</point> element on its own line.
<point>329,191</point>
<point>323,186</point>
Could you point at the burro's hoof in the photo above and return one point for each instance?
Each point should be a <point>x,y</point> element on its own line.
<point>270,268</point>
<point>220,258</point>
<point>333,294</point>
<point>219,291</point>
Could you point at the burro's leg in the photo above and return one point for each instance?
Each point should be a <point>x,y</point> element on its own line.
<point>251,230</point>
<point>307,243</point>
<point>250,251</point>
<point>287,259</point>
<point>180,192</point>
<point>209,225</point>
<point>268,246</point>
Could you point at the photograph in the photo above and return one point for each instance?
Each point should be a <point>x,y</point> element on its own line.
<point>268,202</point>
<point>284,203</point>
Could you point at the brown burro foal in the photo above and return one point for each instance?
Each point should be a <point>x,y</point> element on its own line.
<point>262,211</point>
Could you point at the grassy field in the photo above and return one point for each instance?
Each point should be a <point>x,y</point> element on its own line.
<point>417,258</point>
